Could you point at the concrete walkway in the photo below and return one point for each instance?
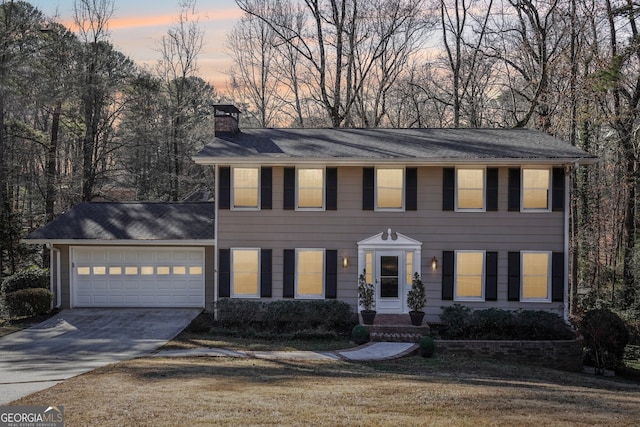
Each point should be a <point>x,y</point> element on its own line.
<point>80,340</point>
<point>368,352</point>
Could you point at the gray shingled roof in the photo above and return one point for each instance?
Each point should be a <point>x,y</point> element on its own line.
<point>428,145</point>
<point>131,221</point>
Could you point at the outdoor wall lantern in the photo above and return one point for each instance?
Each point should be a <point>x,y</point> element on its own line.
<point>345,261</point>
<point>434,263</point>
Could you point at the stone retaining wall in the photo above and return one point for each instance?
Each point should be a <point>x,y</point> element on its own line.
<point>564,355</point>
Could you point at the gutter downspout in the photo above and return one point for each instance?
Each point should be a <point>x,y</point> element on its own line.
<point>216,226</point>
<point>58,291</point>
<point>567,214</point>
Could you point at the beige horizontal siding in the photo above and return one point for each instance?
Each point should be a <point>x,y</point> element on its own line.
<point>438,230</point>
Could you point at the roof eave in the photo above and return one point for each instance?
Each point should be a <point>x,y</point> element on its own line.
<point>122,242</point>
<point>440,161</point>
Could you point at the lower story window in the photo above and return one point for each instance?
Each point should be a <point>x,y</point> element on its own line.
<point>245,267</point>
<point>309,273</point>
<point>469,276</point>
<point>536,276</point>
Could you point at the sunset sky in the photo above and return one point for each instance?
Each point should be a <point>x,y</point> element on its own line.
<point>138,25</point>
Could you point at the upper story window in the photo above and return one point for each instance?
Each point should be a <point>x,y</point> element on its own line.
<point>245,273</point>
<point>536,185</point>
<point>246,188</point>
<point>470,189</point>
<point>536,276</point>
<point>389,189</point>
<point>310,188</point>
<point>469,276</point>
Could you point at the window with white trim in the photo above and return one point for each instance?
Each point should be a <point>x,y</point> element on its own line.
<point>310,273</point>
<point>536,276</point>
<point>389,189</point>
<point>469,276</point>
<point>246,188</point>
<point>536,186</point>
<point>470,189</point>
<point>310,188</point>
<point>245,273</point>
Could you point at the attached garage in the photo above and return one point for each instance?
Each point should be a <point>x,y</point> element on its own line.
<point>131,254</point>
<point>137,277</point>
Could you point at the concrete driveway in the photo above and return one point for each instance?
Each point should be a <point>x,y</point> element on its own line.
<point>79,340</point>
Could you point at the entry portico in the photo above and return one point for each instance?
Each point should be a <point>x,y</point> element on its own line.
<point>389,260</point>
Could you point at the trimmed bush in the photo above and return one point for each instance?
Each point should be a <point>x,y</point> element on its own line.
<point>27,302</point>
<point>460,322</point>
<point>289,316</point>
<point>238,312</point>
<point>605,337</point>
<point>285,316</point>
<point>359,334</point>
<point>32,277</point>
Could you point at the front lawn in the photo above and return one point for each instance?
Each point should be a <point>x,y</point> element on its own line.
<point>410,391</point>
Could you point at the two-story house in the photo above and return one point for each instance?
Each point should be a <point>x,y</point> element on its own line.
<point>481,214</point>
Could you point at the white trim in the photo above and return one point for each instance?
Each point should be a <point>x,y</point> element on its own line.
<point>403,189</point>
<point>484,189</point>
<point>549,190</point>
<point>567,214</point>
<point>231,273</point>
<point>483,275</point>
<point>549,268</point>
<point>367,161</point>
<point>324,189</point>
<point>125,242</point>
<point>232,195</point>
<point>323,270</point>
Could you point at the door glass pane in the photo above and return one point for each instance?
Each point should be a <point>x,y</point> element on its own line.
<point>388,276</point>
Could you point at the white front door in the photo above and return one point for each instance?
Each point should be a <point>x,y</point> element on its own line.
<point>389,280</point>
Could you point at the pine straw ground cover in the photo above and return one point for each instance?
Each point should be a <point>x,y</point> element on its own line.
<point>443,391</point>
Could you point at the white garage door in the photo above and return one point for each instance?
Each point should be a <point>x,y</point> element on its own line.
<point>138,277</point>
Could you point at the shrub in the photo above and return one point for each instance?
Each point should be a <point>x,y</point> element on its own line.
<point>605,337</point>
<point>416,297</point>
<point>460,322</point>
<point>360,334</point>
<point>426,346</point>
<point>237,312</point>
<point>456,320</point>
<point>27,302</point>
<point>288,316</point>
<point>32,277</point>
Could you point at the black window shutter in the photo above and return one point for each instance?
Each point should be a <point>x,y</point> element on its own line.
<point>492,189</point>
<point>491,276</point>
<point>289,266</point>
<point>557,195</point>
<point>224,188</point>
<point>266,276</point>
<point>448,274</point>
<point>448,189</point>
<point>289,189</point>
<point>331,191</point>
<point>224,273</point>
<point>331,274</point>
<point>266,186</point>
<point>411,189</point>
<point>513,285</point>
<point>368,189</point>
<point>514,189</point>
<point>557,276</point>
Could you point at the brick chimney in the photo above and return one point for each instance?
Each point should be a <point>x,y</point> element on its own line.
<point>226,119</point>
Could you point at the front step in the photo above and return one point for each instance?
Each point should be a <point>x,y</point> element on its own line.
<point>395,328</point>
<point>396,333</point>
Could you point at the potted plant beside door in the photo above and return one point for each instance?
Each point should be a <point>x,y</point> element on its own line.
<point>366,298</point>
<point>416,300</point>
